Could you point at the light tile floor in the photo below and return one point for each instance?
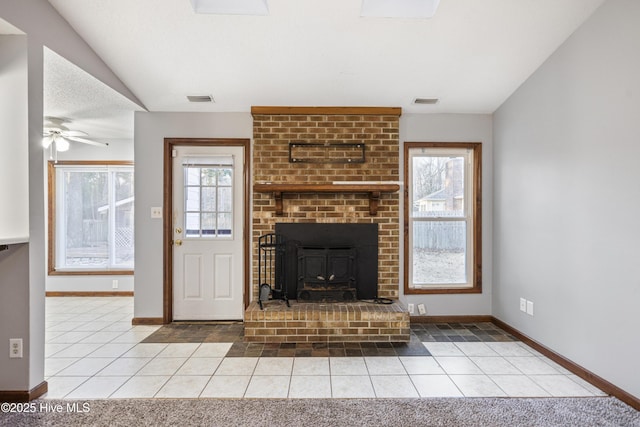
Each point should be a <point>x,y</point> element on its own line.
<point>92,351</point>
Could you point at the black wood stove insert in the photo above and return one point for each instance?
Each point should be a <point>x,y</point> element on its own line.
<point>330,262</point>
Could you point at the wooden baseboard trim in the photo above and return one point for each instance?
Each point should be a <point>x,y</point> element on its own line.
<point>451,319</point>
<point>89,294</point>
<point>147,321</point>
<point>24,395</point>
<point>586,375</point>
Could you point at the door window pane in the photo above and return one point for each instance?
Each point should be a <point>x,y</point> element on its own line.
<point>208,204</point>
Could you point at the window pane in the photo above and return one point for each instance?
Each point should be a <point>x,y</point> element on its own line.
<point>224,199</point>
<point>123,239</point>
<point>192,176</point>
<point>438,186</point>
<point>224,176</point>
<point>209,176</point>
<point>224,224</point>
<point>86,216</point>
<point>208,205</point>
<point>192,224</point>
<point>209,199</point>
<point>439,252</point>
<point>208,224</point>
<point>192,196</point>
<point>94,217</point>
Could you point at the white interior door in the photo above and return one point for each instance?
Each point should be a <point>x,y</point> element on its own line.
<point>208,210</point>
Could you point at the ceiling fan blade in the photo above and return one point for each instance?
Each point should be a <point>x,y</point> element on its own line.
<point>74,133</point>
<point>87,141</point>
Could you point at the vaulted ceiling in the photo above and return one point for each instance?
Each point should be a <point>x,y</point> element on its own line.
<point>472,55</point>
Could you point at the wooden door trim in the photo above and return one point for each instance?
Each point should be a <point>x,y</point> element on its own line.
<point>167,214</point>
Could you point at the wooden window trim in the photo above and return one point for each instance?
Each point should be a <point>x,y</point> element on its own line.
<point>476,287</point>
<point>51,219</point>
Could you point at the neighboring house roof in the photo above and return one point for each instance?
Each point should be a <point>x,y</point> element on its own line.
<point>436,195</point>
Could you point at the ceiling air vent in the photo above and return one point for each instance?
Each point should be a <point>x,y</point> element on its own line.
<point>427,101</point>
<point>200,98</point>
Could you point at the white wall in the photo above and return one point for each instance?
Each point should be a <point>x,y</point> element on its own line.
<point>567,198</point>
<point>456,128</point>
<point>117,150</point>
<point>14,315</point>
<point>150,131</point>
<point>14,161</point>
<point>43,26</point>
<point>14,211</point>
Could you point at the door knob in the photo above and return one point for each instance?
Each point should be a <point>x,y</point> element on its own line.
<point>177,242</point>
<point>178,230</point>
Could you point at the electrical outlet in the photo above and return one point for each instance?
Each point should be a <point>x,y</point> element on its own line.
<point>411,308</point>
<point>15,348</point>
<point>114,283</point>
<point>530,308</point>
<point>156,212</point>
<point>523,305</point>
<point>422,309</point>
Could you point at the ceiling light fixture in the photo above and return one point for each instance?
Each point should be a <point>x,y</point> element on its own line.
<point>231,7</point>
<point>399,8</point>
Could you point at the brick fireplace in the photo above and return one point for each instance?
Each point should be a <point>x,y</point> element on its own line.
<point>335,165</point>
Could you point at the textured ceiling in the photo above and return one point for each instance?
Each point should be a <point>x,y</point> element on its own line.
<point>90,105</point>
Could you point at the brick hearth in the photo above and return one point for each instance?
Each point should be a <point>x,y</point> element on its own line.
<point>326,322</point>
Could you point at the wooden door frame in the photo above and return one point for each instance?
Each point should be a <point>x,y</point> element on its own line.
<point>167,215</point>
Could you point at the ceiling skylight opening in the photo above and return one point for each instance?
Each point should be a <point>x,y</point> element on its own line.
<point>426,101</point>
<point>200,98</point>
<point>420,9</point>
<point>231,7</point>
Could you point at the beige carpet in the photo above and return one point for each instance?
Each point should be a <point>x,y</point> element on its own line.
<point>542,412</point>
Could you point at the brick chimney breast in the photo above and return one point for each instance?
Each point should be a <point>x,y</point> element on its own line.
<point>274,128</point>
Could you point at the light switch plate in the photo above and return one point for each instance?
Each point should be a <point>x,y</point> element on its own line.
<point>422,309</point>
<point>156,212</point>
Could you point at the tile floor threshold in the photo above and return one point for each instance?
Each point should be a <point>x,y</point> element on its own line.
<point>93,352</point>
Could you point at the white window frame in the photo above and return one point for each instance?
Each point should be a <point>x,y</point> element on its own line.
<point>217,162</point>
<point>57,215</point>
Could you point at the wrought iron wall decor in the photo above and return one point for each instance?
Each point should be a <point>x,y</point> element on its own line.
<point>328,152</point>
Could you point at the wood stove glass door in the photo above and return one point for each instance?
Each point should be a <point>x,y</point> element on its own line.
<point>207,223</point>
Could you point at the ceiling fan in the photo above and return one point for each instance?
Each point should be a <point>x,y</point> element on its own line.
<point>56,135</point>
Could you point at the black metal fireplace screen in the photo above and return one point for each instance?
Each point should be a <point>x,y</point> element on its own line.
<point>326,274</point>
<point>328,262</point>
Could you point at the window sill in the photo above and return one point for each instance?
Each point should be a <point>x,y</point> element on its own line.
<point>422,291</point>
<point>91,273</point>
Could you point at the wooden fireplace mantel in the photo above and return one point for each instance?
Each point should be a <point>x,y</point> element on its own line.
<point>373,190</point>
